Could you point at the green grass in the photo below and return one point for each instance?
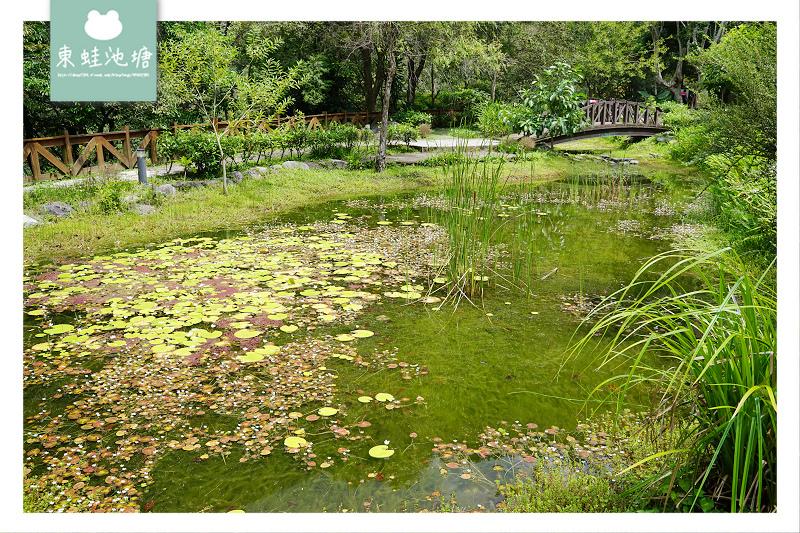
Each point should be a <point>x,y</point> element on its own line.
<point>716,327</point>
<point>564,489</point>
<point>206,209</point>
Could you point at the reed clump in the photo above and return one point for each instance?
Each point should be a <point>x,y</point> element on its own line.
<point>719,387</point>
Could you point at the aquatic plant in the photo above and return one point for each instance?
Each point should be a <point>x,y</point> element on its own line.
<point>722,340</point>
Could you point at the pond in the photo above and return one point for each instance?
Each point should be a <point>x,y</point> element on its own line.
<point>317,363</point>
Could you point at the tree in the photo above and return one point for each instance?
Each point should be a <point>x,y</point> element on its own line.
<point>746,58</point>
<point>553,104</point>
<point>611,56</point>
<point>686,37</point>
<point>198,70</point>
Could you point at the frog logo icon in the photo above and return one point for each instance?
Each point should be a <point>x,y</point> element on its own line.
<point>103,27</point>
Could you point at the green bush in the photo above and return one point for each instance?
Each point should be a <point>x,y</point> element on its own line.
<point>491,118</point>
<point>337,140</point>
<point>415,118</point>
<point>201,148</point>
<point>405,133</point>
<point>109,199</point>
<point>564,489</point>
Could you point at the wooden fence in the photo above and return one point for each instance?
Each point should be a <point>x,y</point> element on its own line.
<point>58,151</point>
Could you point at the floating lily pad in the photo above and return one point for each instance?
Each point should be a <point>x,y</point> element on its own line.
<point>365,399</point>
<point>384,397</point>
<point>344,337</point>
<point>327,411</point>
<point>246,334</point>
<point>381,451</point>
<point>362,333</point>
<point>250,358</point>
<point>289,329</point>
<point>59,328</point>
<point>295,442</point>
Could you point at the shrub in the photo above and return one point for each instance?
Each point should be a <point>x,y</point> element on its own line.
<point>491,118</point>
<point>414,118</point>
<point>109,199</point>
<point>201,148</point>
<point>405,133</point>
<point>563,490</point>
<point>425,130</point>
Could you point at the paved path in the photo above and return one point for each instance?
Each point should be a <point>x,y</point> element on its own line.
<point>448,143</point>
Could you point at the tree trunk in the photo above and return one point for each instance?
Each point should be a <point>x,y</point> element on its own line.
<point>413,78</point>
<point>380,160</point>
<point>675,83</point>
<point>372,86</point>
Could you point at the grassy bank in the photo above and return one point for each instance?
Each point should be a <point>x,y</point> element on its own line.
<point>103,229</point>
<point>208,209</point>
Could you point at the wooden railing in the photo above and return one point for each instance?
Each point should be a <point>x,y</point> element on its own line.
<point>100,143</point>
<point>615,112</point>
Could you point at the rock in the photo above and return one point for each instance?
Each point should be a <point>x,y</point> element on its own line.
<point>58,209</point>
<point>180,185</point>
<point>83,206</point>
<point>260,170</point>
<point>253,173</point>
<point>236,176</point>
<point>276,168</point>
<point>338,163</point>
<point>143,209</point>
<point>166,189</point>
<point>312,164</point>
<point>29,221</point>
<point>295,164</point>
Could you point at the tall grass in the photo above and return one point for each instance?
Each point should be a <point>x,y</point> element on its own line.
<point>720,392</point>
<point>472,192</point>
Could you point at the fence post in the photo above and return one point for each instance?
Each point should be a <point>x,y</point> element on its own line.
<point>34,155</point>
<point>174,128</point>
<point>68,151</point>
<point>126,148</point>
<point>153,153</point>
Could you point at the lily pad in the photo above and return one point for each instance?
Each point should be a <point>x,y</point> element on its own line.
<point>59,328</point>
<point>289,329</point>
<point>250,358</point>
<point>246,334</point>
<point>362,333</point>
<point>295,442</point>
<point>364,399</point>
<point>384,397</point>
<point>344,337</point>
<point>327,411</point>
<point>381,451</point>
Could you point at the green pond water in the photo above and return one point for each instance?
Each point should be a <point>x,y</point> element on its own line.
<point>472,386</point>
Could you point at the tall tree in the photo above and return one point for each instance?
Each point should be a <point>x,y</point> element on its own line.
<point>200,70</point>
<point>680,38</point>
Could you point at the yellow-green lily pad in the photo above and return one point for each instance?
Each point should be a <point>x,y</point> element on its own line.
<point>381,451</point>
<point>295,442</point>
<point>246,334</point>
<point>384,397</point>
<point>327,411</point>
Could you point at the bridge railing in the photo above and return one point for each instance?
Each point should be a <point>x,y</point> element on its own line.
<point>616,112</point>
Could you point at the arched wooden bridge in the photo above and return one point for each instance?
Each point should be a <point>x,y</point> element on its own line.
<point>607,118</point>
